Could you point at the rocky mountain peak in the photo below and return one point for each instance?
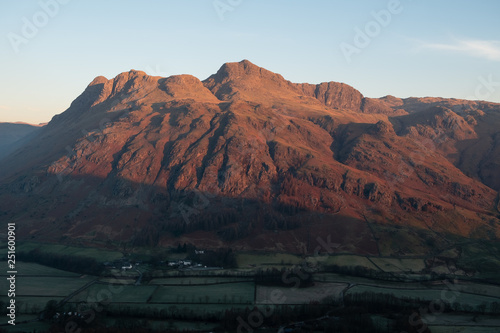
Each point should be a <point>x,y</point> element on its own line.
<point>270,154</point>
<point>98,80</point>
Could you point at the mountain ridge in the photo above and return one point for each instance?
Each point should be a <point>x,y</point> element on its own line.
<point>266,153</point>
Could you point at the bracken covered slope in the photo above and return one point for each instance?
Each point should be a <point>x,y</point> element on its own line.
<point>249,159</point>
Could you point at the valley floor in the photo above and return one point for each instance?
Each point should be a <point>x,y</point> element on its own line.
<point>267,292</point>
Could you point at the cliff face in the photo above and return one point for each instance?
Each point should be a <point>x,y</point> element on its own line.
<point>245,152</point>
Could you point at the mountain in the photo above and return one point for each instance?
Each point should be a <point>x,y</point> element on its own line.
<point>250,160</point>
<point>12,135</point>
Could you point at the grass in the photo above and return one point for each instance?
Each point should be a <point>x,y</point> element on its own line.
<point>481,257</point>
<point>275,259</point>
<point>95,253</point>
<point>196,280</point>
<point>47,286</point>
<point>128,274</point>
<point>406,239</point>
<point>32,269</point>
<point>276,295</point>
<point>224,293</point>
<point>481,289</point>
<point>340,278</point>
<point>209,296</point>
<point>394,265</point>
<point>117,280</point>
<point>350,260</point>
<point>115,293</point>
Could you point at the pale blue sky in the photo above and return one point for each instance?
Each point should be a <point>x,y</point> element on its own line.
<point>425,48</point>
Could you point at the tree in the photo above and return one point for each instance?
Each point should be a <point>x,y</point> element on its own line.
<point>50,309</point>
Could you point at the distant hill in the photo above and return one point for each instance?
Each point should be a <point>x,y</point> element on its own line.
<point>13,135</point>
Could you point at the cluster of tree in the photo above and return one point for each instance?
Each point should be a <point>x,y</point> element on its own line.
<point>281,222</point>
<point>358,319</point>
<point>232,221</point>
<point>385,303</point>
<point>312,317</point>
<point>176,312</point>
<point>183,249</point>
<point>354,271</point>
<point>147,236</point>
<point>203,273</point>
<point>352,321</point>
<point>228,319</point>
<point>483,308</point>
<point>235,231</point>
<point>187,221</point>
<point>121,326</point>
<point>193,220</point>
<point>66,262</point>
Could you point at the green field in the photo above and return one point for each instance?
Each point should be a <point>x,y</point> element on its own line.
<point>221,293</point>
<point>97,254</point>
<point>204,296</point>
<point>350,260</point>
<point>115,293</point>
<point>318,292</point>
<point>481,289</point>
<point>275,259</point>
<point>197,280</point>
<point>47,286</point>
<point>129,274</point>
<point>32,269</point>
<point>394,265</point>
<point>118,280</point>
<point>483,258</point>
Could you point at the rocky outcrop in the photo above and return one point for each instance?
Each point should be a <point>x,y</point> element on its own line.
<point>244,149</point>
